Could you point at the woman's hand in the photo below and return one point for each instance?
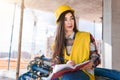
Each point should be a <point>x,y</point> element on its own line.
<point>71,62</point>
<point>88,66</point>
<point>55,61</point>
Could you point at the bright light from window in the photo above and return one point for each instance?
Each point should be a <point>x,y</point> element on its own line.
<point>6,13</point>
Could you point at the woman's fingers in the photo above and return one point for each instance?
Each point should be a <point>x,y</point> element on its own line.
<point>71,62</point>
<point>88,66</point>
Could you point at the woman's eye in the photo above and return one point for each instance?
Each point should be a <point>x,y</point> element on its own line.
<point>65,19</point>
<point>72,18</point>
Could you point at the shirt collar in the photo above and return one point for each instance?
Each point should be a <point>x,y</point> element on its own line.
<point>71,36</point>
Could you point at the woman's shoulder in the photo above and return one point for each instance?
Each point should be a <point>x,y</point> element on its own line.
<point>83,32</point>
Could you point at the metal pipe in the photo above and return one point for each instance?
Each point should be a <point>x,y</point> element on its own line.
<point>20,39</point>
<point>11,39</point>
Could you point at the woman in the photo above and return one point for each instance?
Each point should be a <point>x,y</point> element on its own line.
<point>73,46</point>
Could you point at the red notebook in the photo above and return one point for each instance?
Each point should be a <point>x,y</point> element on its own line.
<point>60,69</point>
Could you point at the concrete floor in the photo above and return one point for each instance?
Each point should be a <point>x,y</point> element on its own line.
<point>9,74</point>
<point>5,78</point>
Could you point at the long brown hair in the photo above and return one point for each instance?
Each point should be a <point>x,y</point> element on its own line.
<point>60,36</point>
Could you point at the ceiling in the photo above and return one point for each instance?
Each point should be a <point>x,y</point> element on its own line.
<point>84,9</point>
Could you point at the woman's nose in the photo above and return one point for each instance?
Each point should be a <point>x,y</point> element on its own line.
<point>69,21</point>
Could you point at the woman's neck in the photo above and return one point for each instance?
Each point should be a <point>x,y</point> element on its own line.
<point>67,34</point>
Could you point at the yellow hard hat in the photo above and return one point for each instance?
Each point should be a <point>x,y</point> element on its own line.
<point>62,9</point>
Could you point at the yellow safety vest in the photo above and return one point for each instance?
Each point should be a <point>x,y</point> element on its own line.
<point>80,51</point>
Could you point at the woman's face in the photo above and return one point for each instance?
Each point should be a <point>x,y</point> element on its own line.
<point>69,22</point>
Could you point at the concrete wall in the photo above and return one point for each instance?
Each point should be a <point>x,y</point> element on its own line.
<point>116,34</point>
<point>111,34</point>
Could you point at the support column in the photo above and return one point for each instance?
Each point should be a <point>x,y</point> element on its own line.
<point>107,44</point>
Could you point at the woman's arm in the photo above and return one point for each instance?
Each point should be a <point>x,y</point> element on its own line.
<point>94,56</point>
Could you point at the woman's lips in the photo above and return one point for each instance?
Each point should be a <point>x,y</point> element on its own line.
<point>69,26</point>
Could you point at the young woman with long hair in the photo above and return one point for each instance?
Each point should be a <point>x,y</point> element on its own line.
<point>72,46</point>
